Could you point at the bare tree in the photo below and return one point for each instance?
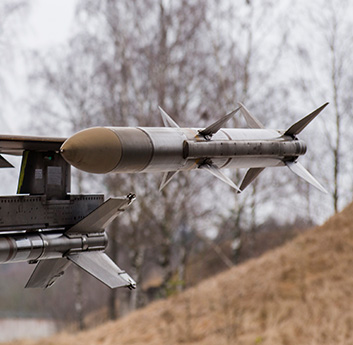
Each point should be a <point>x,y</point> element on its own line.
<point>11,13</point>
<point>327,59</point>
<point>195,59</point>
<point>236,68</point>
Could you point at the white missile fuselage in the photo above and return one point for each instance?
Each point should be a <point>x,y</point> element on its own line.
<point>163,149</point>
<point>172,149</point>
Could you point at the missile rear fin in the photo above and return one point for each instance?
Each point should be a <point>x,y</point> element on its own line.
<point>299,170</point>
<point>47,272</point>
<point>96,263</point>
<point>292,131</point>
<point>301,124</point>
<point>100,266</point>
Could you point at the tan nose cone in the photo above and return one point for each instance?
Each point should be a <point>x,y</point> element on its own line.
<point>94,150</point>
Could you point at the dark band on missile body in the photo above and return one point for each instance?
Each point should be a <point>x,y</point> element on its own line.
<point>152,146</point>
<point>136,149</point>
<point>12,249</point>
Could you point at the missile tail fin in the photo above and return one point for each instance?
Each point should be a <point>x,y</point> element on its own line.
<point>250,176</point>
<point>167,120</point>
<point>47,272</point>
<point>167,177</point>
<point>100,266</point>
<point>299,170</point>
<point>216,126</point>
<point>301,124</point>
<point>219,174</point>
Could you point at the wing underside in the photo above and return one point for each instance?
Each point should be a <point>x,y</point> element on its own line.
<point>16,144</point>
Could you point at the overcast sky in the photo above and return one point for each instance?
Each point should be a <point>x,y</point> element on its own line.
<point>50,22</point>
<point>47,24</point>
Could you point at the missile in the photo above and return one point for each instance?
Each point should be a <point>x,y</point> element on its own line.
<point>41,245</point>
<point>55,246</point>
<point>171,149</point>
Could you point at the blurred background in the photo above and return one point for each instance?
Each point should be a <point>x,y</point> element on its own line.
<point>69,65</point>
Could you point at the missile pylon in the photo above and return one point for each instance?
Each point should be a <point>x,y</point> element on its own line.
<point>53,250</point>
<point>171,149</point>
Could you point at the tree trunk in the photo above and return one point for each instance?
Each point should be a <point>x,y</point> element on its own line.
<point>78,298</point>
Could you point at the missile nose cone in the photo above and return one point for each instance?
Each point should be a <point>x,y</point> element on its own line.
<point>94,150</point>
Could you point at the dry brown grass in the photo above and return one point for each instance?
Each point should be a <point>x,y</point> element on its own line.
<point>301,293</point>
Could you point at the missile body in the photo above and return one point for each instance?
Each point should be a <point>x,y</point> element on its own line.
<point>132,150</point>
<point>172,149</point>
<point>40,246</point>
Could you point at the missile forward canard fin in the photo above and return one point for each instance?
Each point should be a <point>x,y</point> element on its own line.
<point>250,120</point>
<point>250,176</point>
<point>216,126</point>
<point>215,171</point>
<point>167,120</point>
<point>167,177</point>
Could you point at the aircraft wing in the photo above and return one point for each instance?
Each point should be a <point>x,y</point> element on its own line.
<point>16,144</point>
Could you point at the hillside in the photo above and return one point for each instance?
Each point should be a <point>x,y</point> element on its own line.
<point>301,293</point>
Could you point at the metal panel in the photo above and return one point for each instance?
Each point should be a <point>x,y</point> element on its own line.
<point>44,173</point>
<point>101,217</point>
<point>251,134</point>
<point>25,212</point>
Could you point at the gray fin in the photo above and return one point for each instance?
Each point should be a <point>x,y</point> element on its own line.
<point>102,216</point>
<point>47,272</point>
<point>100,266</point>
<point>5,163</point>
<point>301,124</point>
<point>167,177</point>
<point>216,126</point>
<point>250,120</point>
<point>219,174</point>
<point>250,176</point>
<point>167,120</point>
<point>299,170</point>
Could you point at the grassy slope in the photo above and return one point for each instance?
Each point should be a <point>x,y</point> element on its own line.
<point>301,293</point>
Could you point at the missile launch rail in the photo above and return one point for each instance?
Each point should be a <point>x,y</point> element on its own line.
<point>47,226</point>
